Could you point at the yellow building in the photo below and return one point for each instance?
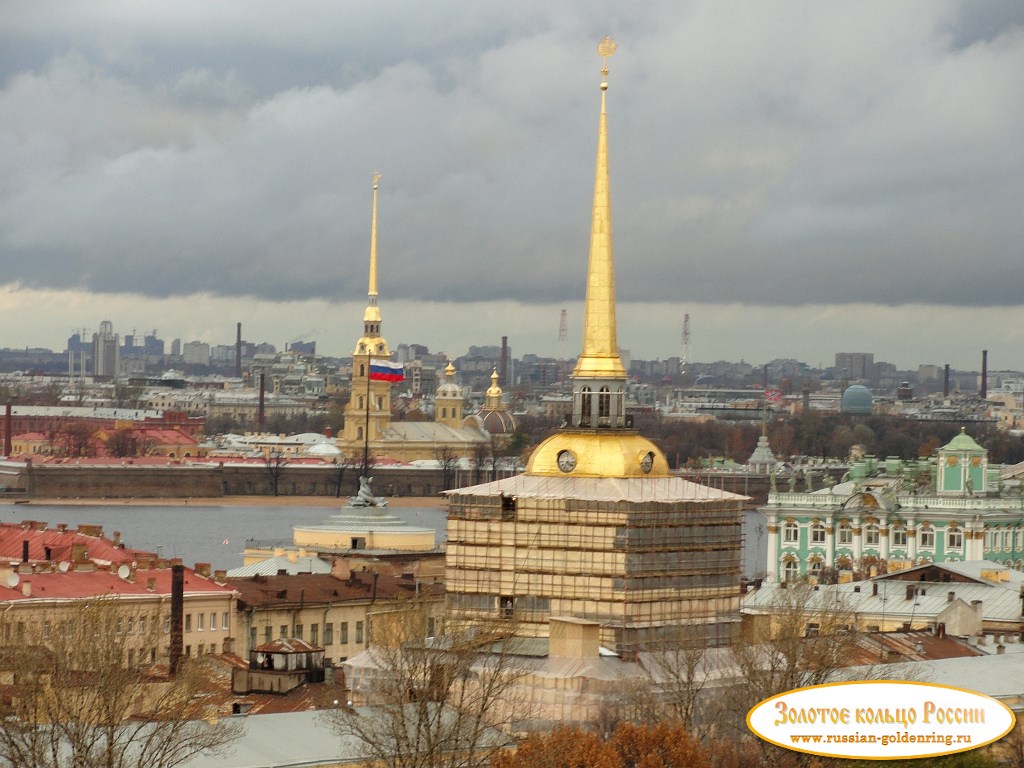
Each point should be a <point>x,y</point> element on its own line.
<point>597,528</point>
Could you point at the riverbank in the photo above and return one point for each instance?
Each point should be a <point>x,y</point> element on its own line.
<point>400,502</point>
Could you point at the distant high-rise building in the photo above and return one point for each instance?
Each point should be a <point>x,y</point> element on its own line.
<point>196,353</point>
<point>106,355</point>
<point>855,365</point>
<point>176,348</point>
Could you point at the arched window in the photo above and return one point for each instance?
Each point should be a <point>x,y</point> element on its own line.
<point>790,570</point>
<point>845,535</point>
<point>604,403</point>
<point>585,407</point>
<point>954,539</point>
<point>361,402</point>
<point>362,369</point>
<point>359,433</point>
<point>444,413</point>
<point>817,534</point>
<point>871,537</point>
<point>791,533</point>
<point>380,403</point>
<point>899,536</point>
<point>926,537</point>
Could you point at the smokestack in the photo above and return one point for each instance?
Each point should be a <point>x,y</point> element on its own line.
<point>8,425</point>
<point>177,616</point>
<point>503,372</point>
<point>945,383</point>
<point>984,374</point>
<point>261,413</point>
<point>238,352</point>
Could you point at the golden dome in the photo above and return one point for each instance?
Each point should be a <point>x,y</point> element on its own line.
<point>579,453</point>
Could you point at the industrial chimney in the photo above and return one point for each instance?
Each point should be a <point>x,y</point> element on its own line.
<point>238,352</point>
<point>984,374</point>
<point>503,370</point>
<point>945,383</point>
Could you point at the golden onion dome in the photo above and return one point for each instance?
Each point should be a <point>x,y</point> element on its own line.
<point>578,453</point>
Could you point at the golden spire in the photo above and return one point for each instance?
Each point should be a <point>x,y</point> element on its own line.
<point>600,356</point>
<point>372,314</point>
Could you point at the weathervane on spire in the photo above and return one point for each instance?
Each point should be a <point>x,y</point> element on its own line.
<point>606,48</point>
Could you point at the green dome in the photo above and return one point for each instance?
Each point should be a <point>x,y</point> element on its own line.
<point>856,399</point>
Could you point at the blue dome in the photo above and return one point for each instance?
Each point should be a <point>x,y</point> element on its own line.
<point>856,399</point>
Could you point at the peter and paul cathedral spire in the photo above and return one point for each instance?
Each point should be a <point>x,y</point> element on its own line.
<point>598,439</point>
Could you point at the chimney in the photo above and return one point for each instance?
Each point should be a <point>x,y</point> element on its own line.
<point>177,616</point>
<point>26,588</point>
<point>151,584</point>
<point>940,629</point>
<point>874,589</point>
<point>261,412</point>
<point>238,352</point>
<point>911,589</point>
<point>203,569</point>
<point>1000,649</point>
<point>220,576</point>
<point>116,541</point>
<point>503,372</point>
<point>945,383</point>
<point>984,374</point>
<point>24,551</point>
<point>976,605</point>
<point>950,597</point>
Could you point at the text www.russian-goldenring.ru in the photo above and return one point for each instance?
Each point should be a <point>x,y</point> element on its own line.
<point>884,739</point>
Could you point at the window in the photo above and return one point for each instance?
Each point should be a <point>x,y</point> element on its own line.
<point>954,538</point>
<point>359,632</point>
<point>167,625</point>
<point>845,535</point>
<point>268,633</point>
<point>284,630</point>
<point>344,633</point>
<point>790,533</point>
<point>224,620</point>
<point>188,651</point>
<point>142,625</point>
<point>213,621</point>
<point>314,634</point>
<point>201,650</point>
<point>790,570</point>
<point>298,631</point>
<point>188,622</point>
<point>430,626</point>
<point>815,568</point>
<point>604,403</point>
<point>871,535</point>
<point>899,536</point>
<point>926,536</point>
<point>252,637</point>
<point>817,534</point>
<point>328,633</point>
<point>201,623</point>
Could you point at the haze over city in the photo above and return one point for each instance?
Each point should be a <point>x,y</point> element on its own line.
<point>798,177</point>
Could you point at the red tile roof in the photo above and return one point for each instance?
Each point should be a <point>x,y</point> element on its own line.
<point>97,547</point>
<point>78,585</point>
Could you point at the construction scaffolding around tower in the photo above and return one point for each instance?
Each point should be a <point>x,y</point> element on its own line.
<point>645,558</point>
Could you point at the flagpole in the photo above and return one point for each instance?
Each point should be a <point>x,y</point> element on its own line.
<point>366,429</point>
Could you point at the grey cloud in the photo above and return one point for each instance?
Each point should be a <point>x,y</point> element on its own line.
<point>793,153</point>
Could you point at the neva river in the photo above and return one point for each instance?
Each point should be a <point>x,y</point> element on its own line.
<point>216,535</point>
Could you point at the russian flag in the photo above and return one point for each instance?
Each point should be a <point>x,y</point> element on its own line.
<point>385,370</point>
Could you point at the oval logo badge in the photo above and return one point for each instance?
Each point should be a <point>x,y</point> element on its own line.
<point>880,719</point>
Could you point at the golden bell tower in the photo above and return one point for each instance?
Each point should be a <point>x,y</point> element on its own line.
<point>599,440</point>
<point>368,412</point>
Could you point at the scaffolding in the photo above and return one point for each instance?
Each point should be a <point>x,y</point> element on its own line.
<point>646,559</point>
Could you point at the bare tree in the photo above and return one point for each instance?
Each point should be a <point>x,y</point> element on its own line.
<point>438,702</point>
<point>275,463</point>
<point>87,693</point>
<point>447,462</point>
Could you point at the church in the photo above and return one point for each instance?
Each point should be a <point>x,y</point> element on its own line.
<point>597,530</point>
<point>369,429</point>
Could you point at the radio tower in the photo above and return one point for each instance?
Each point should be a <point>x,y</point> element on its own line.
<point>686,347</point>
<point>562,334</point>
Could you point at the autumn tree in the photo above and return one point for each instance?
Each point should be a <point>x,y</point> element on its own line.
<point>275,463</point>
<point>87,692</point>
<point>662,745</point>
<point>448,463</point>
<point>434,702</point>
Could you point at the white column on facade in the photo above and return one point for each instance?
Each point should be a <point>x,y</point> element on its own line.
<point>830,546</point>
<point>772,566</point>
<point>912,541</point>
<point>883,542</point>
<point>858,541</point>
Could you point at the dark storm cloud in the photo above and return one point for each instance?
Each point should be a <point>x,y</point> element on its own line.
<point>784,153</point>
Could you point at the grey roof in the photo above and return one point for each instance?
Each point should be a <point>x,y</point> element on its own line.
<point>631,489</point>
<point>996,676</point>
<point>273,565</point>
<point>998,603</point>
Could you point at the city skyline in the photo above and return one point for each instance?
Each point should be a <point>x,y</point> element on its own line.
<point>798,179</point>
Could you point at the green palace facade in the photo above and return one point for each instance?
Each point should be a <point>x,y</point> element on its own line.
<point>894,514</point>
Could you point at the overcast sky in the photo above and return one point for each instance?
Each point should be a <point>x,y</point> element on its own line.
<point>800,177</point>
